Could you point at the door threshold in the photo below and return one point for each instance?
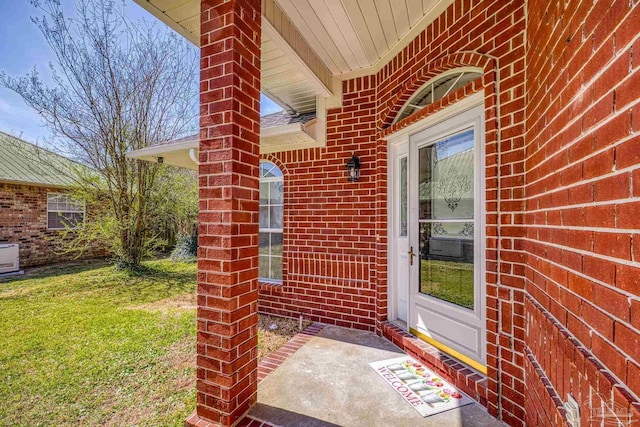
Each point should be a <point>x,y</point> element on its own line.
<point>449,351</point>
<point>401,324</point>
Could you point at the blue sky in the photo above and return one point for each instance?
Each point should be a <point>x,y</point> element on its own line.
<point>22,47</point>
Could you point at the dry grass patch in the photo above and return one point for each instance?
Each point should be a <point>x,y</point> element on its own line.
<point>270,340</point>
<point>179,303</point>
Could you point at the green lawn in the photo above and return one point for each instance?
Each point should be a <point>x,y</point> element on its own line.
<point>96,346</point>
<point>448,280</point>
<point>93,346</point>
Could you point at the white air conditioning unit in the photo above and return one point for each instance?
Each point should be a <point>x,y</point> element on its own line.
<point>9,258</point>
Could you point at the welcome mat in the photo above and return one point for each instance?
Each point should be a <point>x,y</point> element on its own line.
<point>425,391</point>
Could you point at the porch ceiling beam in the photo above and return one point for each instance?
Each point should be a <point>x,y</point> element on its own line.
<point>277,26</point>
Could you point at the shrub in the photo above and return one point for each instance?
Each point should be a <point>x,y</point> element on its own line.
<point>186,249</point>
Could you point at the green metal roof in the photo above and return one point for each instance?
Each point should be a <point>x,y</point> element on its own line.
<point>23,162</point>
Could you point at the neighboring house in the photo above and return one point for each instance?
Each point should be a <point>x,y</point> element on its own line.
<point>494,228</point>
<point>34,202</point>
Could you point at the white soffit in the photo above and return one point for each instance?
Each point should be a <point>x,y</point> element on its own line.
<point>295,136</point>
<point>283,81</point>
<point>181,15</point>
<point>292,73</point>
<point>357,37</point>
<point>173,153</point>
<point>323,38</point>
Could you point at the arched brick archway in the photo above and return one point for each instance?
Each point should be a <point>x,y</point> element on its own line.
<point>276,161</point>
<point>462,59</point>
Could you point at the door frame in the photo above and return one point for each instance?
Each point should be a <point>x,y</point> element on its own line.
<point>402,136</point>
<point>393,199</point>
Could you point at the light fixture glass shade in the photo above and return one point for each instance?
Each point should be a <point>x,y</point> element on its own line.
<point>353,168</point>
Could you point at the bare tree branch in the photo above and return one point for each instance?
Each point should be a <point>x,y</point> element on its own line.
<point>118,86</point>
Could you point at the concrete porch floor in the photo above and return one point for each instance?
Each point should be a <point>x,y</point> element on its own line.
<point>328,382</point>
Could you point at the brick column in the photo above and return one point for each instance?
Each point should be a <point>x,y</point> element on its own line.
<point>229,190</point>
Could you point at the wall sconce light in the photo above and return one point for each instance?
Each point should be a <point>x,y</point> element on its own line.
<point>353,168</point>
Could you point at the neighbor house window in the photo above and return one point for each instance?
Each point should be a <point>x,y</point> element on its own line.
<point>436,89</point>
<point>271,220</point>
<point>64,212</point>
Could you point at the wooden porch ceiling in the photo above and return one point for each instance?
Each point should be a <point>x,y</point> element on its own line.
<point>310,46</point>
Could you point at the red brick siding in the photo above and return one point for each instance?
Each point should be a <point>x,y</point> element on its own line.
<point>24,221</point>
<point>489,35</point>
<point>582,188</point>
<point>570,276</point>
<point>227,333</point>
<point>329,220</point>
<point>329,264</point>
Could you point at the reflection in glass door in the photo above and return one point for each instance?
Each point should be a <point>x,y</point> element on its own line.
<point>446,213</point>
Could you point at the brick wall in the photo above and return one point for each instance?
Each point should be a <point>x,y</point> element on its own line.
<point>562,189</point>
<point>227,326</point>
<point>24,221</point>
<point>335,231</point>
<point>488,35</point>
<point>329,248</point>
<point>583,211</point>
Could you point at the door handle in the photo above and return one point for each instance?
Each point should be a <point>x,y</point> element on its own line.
<point>411,255</point>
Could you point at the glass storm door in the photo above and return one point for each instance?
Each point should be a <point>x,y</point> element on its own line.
<point>446,237</point>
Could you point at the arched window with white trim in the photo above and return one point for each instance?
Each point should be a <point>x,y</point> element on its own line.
<point>437,88</point>
<point>271,222</point>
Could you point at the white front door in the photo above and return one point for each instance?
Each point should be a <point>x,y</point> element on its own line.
<point>446,236</point>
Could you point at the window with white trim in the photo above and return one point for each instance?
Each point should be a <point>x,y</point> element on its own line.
<point>436,89</point>
<point>271,221</point>
<point>64,212</point>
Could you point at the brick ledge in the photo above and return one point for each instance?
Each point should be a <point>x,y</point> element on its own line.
<point>271,362</point>
<point>469,381</point>
<point>274,288</point>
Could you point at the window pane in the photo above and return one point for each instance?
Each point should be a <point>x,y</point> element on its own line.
<point>276,216</point>
<point>437,89</point>
<point>52,199</point>
<point>264,193</point>
<point>276,243</point>
<point>73,219</point>
<point>446,262</point>
<point>57,202</point>
<point>446,171</point>
<point>271,216</point>
<point>63,204</point>
<point>263,267</point>
<point>264,216</point>
<point>403,197</point>
<point>263,245</point>
<point>276,268</point>
<point>52,220</point>
<point>269,170</point>
<point>64,219</point>
<point>76,207</point>
<point>442,86</point>
<point>275,193</point>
